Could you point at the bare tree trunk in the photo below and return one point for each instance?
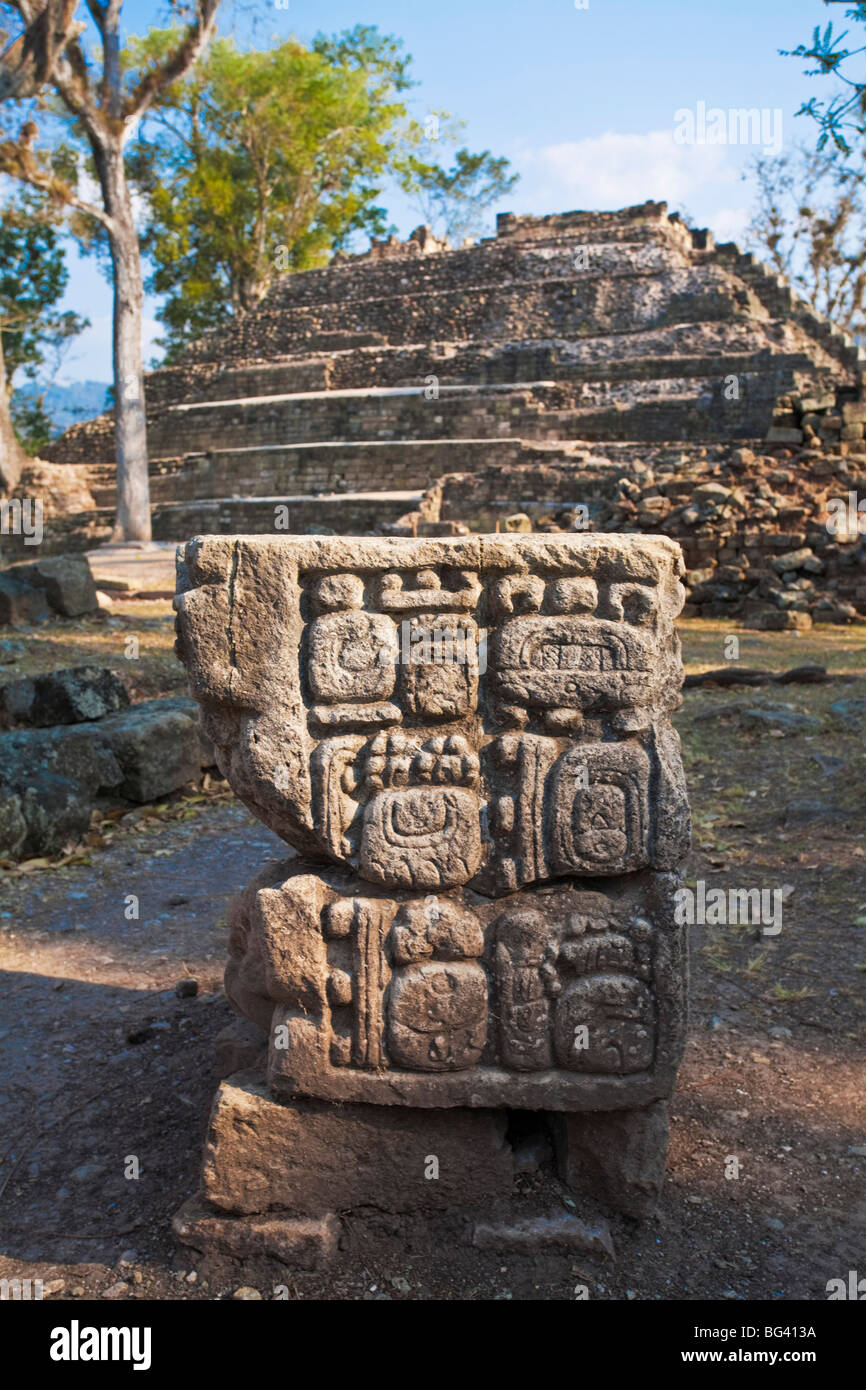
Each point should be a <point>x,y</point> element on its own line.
<point>47,51</point>
<point>133,487</point>
<point>12,456</point>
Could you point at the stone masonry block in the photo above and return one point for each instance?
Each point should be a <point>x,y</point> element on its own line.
<point>307,1157</point>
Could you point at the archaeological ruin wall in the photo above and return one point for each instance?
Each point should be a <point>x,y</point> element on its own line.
<point>380,373</point>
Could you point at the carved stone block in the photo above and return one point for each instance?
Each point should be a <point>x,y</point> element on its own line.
<point>308,1157</point>
<point>489,711</point>
<point>468,742</point>
<point>619,1156</point>
<point>569,995</point>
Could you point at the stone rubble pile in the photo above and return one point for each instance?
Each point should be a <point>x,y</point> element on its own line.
<point>772,540</point>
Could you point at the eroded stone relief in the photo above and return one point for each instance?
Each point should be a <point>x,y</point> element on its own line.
<point>468,742</point>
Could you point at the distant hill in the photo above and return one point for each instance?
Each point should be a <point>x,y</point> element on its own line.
<point>65,405</point>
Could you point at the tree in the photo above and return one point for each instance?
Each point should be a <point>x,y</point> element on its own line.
<point>33,278</point>
<point>25,65</point>
<point>101,97</point>
<point>261,162</point>
<point>810,222</point>
<point>454,201</point>
<point>846,110</point>
<point>33,424</point>
<point>243,183</point>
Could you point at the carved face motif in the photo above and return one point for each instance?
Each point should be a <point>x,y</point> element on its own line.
<point>349,656</point>
<point>423,837</point>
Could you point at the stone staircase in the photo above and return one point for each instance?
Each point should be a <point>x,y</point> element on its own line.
<point>382,372</point>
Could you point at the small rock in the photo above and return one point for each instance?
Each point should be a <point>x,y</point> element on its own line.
<point>245,1294</point>
<point>87,1171</point>
<point>851,712</point>
<point>793,560</point>
<point>544,1233</point>
<point>779,717</point>
<point>64,580</point>
<point>711,492</point>
<point>186,989</point>
<point>117,1290</point>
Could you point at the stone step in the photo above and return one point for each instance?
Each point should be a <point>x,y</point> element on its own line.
<point>666,408</point>
<point>511,254</point>
<point>676,408</point>
<point>678,350</point>
<point>350,515</point>
<point>578,305</point>
<point>308,468</point>
<point>490,263</point>
<point>782,302</point>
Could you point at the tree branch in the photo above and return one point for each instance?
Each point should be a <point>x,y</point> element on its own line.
<point>175,68</point>
<point>18,161</point>
<point>29,61</point>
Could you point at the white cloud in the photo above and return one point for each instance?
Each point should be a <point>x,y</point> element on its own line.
<point>619,170</point>
<point>729,224</point>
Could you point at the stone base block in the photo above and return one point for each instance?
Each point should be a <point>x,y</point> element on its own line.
<point>617,1155</point>
<point>302,1242</point>
<point>540,1233</point>
<point>307,1157</point>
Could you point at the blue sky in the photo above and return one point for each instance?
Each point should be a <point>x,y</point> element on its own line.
<point>582,101</point>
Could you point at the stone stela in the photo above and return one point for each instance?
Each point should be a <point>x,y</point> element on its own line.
<point>479,915</point>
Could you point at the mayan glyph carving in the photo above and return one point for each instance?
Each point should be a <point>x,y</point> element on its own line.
<point>554,997</point>
<point>490,711</point>
<point>469,744</point>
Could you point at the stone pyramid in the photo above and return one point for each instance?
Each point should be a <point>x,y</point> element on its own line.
<point>352,388</point>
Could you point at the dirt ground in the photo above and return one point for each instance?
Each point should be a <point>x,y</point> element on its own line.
<point>103,1061</point>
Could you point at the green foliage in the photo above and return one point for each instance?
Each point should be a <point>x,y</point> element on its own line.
<point>260,158</point>
<point>33,427</point>
<point>846,110</point>
<point>455,201</point>
<point>33,278</point>
<point>266,162</point>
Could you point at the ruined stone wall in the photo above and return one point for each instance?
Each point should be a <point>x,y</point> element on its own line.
<point>753,527</point>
